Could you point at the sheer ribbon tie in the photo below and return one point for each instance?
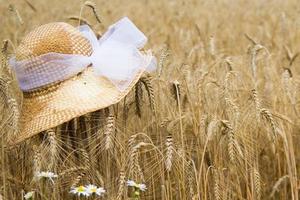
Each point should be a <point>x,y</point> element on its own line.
<point>116,56</point>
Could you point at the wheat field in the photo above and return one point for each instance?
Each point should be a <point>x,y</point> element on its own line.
<point>218,119</point>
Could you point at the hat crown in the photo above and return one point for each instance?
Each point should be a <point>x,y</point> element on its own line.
<point>58,37</point>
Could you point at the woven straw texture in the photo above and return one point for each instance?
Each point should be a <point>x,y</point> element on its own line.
<point>55,104</point>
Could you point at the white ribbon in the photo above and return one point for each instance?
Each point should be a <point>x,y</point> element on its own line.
<point>115,55</point>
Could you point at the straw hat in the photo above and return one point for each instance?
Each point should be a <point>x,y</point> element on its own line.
<point>55,103</point>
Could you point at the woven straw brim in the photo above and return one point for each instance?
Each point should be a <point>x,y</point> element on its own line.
<point>77,96</point>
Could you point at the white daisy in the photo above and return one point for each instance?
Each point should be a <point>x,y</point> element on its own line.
<point>91,188</point>
<point>29,195</point>
<point>81,190</point>
<point>100,191</point>
<point>139,186</point>
<point>131,183</point>
<point>46,174</point>
<point>142,187</point>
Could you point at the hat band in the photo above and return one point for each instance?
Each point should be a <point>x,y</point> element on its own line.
<point>115,56</point>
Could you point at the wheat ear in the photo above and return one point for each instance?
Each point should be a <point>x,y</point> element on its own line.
<point>217,193</point>
<point>257,183</point>
<point>37,165</point>
<point>147,81</point>
<point>266,114</point>
<point>53,146</point>
<point>135,167</point>
<point>138,98</point>
<point>169,152</point>
<point>278,184</point>
<point>176,91</point>
<point>92,5</point>
<point>13,9</point>
<point>165,53</point>
<point>80,19</point>
<point>232,149</point>
<point>109,132</point>
<point>257,104</point>
<point>121,185</point>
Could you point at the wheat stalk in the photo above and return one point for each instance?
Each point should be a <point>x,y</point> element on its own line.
<point>53,146</point>
<point>13,108</point>
<point>232,143</point>
<point>228,99</point>
<point>253,41</point>
<point>165,53</point>
<point>217,193</point>
<point>229,63</point>
<point>71,171</point>
<point>37,165</point>
<point>169,152</point>
<point>211,128</point>
<point>85,157</point>
<point>290,56</point>
<point>13,9</point>
<point>121,187</point>
<point>266,114</point>
<point>132,141</point>
<point>254,51</point>
<point>15,115</point>
<point>147,81</point>
<point>134,165</point>
<point>191,179</point>
<point>257,183</point>
<point>257,104</point>
<point>288,87</point>
<point>92,5</point>
<point>176,91</point>
<point>81,20</point>
<point>278,184</point>
<point>31,5</point>
<point>4,55</point>
<point>138,98</point>
<point>77,179</point>
<point>212,131</point>
<point>109,132</point>
<point>212,46</point>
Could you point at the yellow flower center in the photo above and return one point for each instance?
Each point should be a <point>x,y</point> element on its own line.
<point>80,188</point>
<point>93,190</point>
<point>137,193</point>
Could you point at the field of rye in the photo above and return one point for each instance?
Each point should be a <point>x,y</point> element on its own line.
<point>218,119</point>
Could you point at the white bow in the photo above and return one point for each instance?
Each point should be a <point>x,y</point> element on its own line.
<point>115,55</point>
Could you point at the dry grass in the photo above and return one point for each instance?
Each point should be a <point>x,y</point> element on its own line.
<point>218,120</point>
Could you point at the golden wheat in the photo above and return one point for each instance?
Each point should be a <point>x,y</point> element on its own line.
<point>218,119</point>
